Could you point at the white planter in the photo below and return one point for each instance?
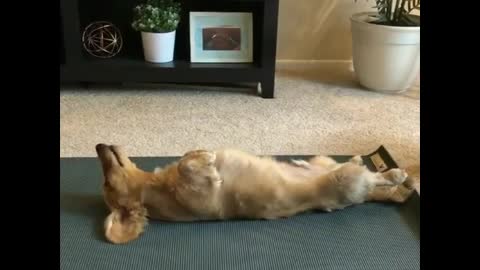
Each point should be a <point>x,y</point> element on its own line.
<point>158,47</point>
<point>385,58</point>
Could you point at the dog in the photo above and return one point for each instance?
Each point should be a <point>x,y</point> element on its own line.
<point>232,184</point>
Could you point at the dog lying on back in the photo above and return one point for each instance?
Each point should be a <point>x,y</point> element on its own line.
<point>231,184</point>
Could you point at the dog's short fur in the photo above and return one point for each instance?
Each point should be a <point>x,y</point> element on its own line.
<point>231,184</point>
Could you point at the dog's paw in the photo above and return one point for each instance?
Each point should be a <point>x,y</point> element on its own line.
<point>357,160</point>
<point>323,161</point>
<point>196,161</point>
<point>413,179</point>
<point>397,176</point>
<point>301,163</point>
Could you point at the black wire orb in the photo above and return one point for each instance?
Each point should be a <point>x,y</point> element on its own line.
<point>102,39</point>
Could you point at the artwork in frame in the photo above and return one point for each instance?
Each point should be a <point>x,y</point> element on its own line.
<point>221,37</point>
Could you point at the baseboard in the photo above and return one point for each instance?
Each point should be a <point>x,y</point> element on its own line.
<point>311,61</point>
<point>314,64</point>
<point>288,63</point>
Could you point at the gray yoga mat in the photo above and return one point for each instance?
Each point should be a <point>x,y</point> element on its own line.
<point>369,236</point>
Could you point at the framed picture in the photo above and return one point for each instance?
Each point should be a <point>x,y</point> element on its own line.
<point>221,37</point>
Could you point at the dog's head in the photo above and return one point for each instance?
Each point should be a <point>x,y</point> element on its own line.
<point>122,192</point>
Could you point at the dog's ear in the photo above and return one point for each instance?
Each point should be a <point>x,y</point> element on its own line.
<point>123,226</point>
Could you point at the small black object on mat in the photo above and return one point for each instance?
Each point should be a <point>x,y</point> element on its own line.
<point>368,236</point>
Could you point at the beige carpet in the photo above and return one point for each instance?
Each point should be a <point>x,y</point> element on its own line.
<point>318,109</point>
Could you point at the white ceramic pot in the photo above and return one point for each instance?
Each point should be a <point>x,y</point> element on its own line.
<point>158,47</point>
<point>385,58</point>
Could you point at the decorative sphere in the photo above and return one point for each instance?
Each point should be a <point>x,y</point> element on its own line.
<point>102,39</point>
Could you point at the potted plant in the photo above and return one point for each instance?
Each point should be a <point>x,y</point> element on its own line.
<point>157,20</point>
<point>386,45</point>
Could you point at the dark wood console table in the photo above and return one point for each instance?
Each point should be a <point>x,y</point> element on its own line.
<point>129,66</point>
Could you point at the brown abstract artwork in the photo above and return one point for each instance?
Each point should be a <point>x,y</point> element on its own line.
<point>221,38</point>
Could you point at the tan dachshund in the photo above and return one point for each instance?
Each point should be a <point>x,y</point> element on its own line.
<point>231,184</point>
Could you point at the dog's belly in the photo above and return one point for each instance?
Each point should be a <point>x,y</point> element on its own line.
<point>255,187</point>
<point>268,193</point>
<point>296,173</point>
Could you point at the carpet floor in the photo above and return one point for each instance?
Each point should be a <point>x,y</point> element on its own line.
<point>318,109</point>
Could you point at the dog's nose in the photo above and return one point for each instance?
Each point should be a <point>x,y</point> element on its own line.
<point>99,147</point>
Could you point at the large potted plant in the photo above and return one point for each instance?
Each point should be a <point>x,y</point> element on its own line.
<point>386,45</point>
<point>157,20</point>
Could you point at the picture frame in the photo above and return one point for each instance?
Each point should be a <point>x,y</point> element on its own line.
<point>221,37</point>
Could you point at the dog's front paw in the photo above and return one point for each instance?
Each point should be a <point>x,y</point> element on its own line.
<point>301,163</point>
<point>198,160</point>
<point>323,161</point>
<point>357,160</point>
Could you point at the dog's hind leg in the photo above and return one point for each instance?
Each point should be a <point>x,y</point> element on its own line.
<point>396,194</point>
<point>392,177</point>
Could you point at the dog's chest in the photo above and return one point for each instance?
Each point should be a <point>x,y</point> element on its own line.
<point>163,205</point>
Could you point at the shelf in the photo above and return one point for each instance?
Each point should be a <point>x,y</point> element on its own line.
<point>133,63</point>
<point>138,70</point>
<point>129,66</point>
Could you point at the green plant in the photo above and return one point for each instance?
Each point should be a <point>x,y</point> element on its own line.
<point>397,12</point>
<point>156,16</point>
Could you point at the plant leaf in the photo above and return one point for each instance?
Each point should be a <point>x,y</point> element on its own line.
<point>414,19</point>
